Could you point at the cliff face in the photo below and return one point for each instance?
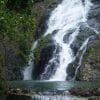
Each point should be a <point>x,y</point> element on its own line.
<point>90,68</point>
<point>2,74</point>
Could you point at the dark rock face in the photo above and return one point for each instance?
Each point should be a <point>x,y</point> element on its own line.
<point>85,92</point>
<point>84,33</point>
<point>46,55</point>
<point>94,15</point>
<point>11,60</point>
<point>42,12</point>
<point>66,37</point>
<point>95,1</point>
<point>51,65</point>
<point>18,97</point>
<point>90,68</point>
<point>71,69</point>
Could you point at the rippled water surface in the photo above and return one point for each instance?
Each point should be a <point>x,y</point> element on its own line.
<point>49,86</point>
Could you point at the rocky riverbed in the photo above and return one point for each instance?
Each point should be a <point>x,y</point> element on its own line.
<point>86,93</point>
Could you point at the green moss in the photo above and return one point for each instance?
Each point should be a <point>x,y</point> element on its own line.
<point>37,51</point>
<point>18,28</point>
<point>91,64</point>
<point>93,51</point>
<point>17,31</point>
<point>22,6</point>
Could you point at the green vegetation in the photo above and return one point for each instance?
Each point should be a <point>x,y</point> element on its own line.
<point>18,28</point>
<point>17,31</point>
<point>90,69</point>
<point>37,51</point>
<point>23,6</point>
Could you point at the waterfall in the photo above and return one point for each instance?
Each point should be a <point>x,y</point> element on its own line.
<point>66,17</point>
<point>28,69</point>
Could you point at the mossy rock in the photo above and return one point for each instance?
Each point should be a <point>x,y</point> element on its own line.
<point>37,51</point>
<point>17,32</point>
<point>90,68</point>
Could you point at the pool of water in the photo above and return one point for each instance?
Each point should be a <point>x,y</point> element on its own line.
<point>51,86</point>
<point>47,90</point>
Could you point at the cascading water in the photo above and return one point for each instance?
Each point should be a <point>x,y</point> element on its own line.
<point>28,71</point>
<point>67,16</point>
<point>57,97</point>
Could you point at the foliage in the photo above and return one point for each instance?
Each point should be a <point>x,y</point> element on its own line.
<point>18,28</point>
<point>20,5</point>
<point>37,51</point>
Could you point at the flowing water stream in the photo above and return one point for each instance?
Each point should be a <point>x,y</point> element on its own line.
<point>47,90</point>
<point>28,71</point>
<point>65,17</point>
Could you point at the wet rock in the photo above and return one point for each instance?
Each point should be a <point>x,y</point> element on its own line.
<point>84,33</point>
<point>90,68</point>
<point>95,1</point>
<point>85,92</point>
<point>41,11</point>
<point>46,55</point>
<point>94,15</point>
<point>60,91</point>
<point>66,37</point>
<point>18,97</point>
<point>25,91</point>
<point>71,69</point>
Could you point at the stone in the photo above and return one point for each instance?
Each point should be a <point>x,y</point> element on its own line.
<point>90,69</point>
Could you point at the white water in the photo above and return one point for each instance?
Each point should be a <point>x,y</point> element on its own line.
<point>57,97</point>
<point>28,70</point>
<point>68,15</point>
